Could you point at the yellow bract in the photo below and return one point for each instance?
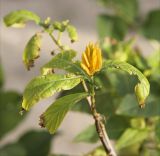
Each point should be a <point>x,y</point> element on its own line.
<point>92,59</point>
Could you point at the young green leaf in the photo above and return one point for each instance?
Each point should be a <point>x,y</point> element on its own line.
<point>131,136</point>
<point>47,85</point>
<point>54,115</point>
<point>62,60</point>
<point>72,32</point>
<point>142,88</point>
<point>31,51</point>
<point>20,17</point>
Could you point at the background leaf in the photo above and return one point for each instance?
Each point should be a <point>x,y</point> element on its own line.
<point>47,85</point>
<point>130,137</point>
<point>151,25</point>
<point>55,113</point>
<point>128,107</point>
<point>31,51</point>
<point>20,17</point>
<point>36,143</point>
<point>110,26</point>
<point>9,111</point>
<point>14,149</point>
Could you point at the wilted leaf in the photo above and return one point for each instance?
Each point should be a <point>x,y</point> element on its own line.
<point>109,26</point>
<point>128,107</point>
<point>32,50</point>
<point>36,143</point>
<point>131,136</point>
<point>9,111</point>
<point>151,25</point>
<point>142,88</point>
<point>54,115</point>
<point>47,85</point>
<point>72,32</point>
<point>20,17</point>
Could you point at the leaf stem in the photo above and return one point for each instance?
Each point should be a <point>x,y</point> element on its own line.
<point>56,41</point>
<point>99,122</point>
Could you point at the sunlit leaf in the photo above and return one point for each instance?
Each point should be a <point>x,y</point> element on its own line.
<point>62,60</point>
<point>142,88</point>
<point>31,51</point>
<point>47,85</point>
<point>20,17</point>
<point>72,32</point>
<point>54,115</point>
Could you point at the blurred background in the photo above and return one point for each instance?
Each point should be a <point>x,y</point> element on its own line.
<point>84,16</point>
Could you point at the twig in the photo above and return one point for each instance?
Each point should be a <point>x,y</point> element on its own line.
<point>99,124</point>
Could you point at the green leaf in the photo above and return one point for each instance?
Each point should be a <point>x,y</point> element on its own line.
<point>72,32</point>
<point>88,135</point>
<point>125,9</point>
<point>20,17</point>
<point>131,136</point>
<point>115,126</point>
<point>9,111</point>
<point>1,77</point>
<point>14,149</point>
<point>142,88</point>
<point>151,25</point>
<point>128,107</point>
<point>47,85</point>
<point>157,130</point>
<point>54,115</point>
<point>62,60</point>
<point>31,51</point>
<point>36,143</point>
<point>110,26</point>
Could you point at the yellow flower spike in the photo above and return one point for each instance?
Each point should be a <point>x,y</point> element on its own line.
<point>92,59</point>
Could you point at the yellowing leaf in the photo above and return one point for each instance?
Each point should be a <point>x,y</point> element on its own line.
<point>32,50</point>
<point>20,17</point>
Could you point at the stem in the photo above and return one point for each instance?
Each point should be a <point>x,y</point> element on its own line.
<point>99,123</point>
<point>56,41</point>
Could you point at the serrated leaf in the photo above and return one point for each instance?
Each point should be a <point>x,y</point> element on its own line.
<point>32,141</point>
<point>62,60</point>
<point>128,107</point>
<point>142,88</point>
<point>20,17</point>
<point>55,113</point>
<point>72,32</point>
<point>31,51</point>
<point>151,25</point>
<point>110,26</point>
<point>47,85</point>
<point>131,136</point>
